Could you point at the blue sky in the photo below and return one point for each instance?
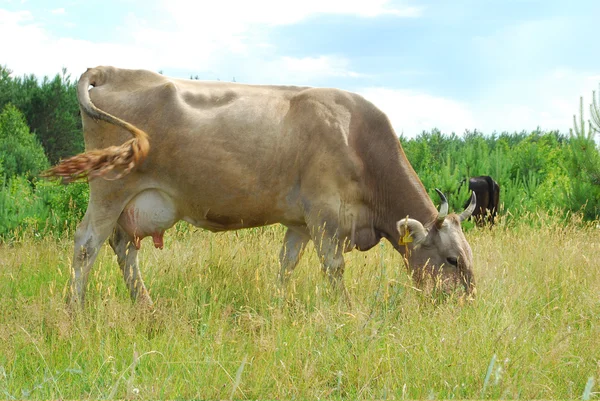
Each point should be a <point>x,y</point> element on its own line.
<point>506,65</point>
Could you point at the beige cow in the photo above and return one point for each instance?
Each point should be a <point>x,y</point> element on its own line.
<point>224,156</point>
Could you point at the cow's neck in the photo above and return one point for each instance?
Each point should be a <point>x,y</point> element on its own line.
<point>402,196</point>
<point>394,190</point>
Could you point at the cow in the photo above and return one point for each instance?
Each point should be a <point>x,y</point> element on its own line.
<point>487,192</point>
<point>223,156</point>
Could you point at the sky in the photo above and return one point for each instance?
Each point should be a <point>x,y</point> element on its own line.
<point>493,66</point>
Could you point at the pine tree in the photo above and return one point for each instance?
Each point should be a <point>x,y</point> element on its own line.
<point>584,161</point>
<point>20,151</point>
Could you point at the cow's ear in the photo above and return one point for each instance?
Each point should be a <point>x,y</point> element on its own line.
<point>411,230</point>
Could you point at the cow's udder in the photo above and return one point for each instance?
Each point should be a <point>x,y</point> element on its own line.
<point>149,214</point>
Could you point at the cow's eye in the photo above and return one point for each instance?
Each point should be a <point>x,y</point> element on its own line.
<point>452,261</point>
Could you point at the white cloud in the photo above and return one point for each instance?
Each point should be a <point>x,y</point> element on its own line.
<point>322,65</point>
<point>517,45</point>
<point>196,34</point>
<point>196,37</point>
<point>7,17</point>
<point>548,101</point>
<point>235,15</point>
<point>513,105</point>
<point>526,86</point>
<point>412,112</point>
<point>192,36</point>
<point>307,70</point>
<point>36,51</point>
<point>156,49</point>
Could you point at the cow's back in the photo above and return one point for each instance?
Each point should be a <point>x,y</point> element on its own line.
<point>232,152</point>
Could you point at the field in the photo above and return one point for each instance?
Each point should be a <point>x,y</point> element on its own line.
<point>220,330</point>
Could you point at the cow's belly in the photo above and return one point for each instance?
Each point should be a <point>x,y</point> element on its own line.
<point>149,214</point>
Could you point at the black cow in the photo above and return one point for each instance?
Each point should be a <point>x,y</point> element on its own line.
<point>488,198</point>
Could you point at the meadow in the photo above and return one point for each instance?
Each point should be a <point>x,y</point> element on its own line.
<point>222,330</point>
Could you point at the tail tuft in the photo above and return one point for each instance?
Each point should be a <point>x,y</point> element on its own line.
<point>111,163</point>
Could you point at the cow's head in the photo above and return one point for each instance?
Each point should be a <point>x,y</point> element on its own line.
<point>440,252</point>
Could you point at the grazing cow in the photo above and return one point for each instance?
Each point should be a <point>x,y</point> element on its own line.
<point>487,192</point>
<point>225,156</point>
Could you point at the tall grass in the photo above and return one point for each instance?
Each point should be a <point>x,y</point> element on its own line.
<point>220,329</point>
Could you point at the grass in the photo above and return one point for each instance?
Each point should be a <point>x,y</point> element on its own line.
<point>221,331</point>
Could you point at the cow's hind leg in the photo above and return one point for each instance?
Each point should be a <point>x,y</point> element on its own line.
<point>123,245</point>
<point>89,237</point>
<point>294,243</point>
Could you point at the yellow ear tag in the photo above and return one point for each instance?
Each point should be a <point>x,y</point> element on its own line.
<point>405,239</point>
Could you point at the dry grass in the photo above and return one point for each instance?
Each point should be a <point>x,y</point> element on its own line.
<point>221,330</point>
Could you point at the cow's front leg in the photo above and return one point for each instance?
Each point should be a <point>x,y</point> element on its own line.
<point>127,256</point>
<point>294,243</point>
<point>331,254</point>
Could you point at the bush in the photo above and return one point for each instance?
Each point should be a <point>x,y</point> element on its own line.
<point>67,204</point>
<point>20,151</point>
<point>48,208</point>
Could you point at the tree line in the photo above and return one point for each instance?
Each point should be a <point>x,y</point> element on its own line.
<point>540,170</point>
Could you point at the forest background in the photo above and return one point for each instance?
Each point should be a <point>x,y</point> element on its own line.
<point>550,171</point>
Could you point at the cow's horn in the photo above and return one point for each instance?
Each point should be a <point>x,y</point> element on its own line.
<point>443,207</point>
<point>470,209</point>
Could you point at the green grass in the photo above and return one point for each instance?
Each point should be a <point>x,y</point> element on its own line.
<point>220,329</point>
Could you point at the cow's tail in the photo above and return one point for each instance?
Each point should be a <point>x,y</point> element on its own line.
<point>494,197</point>
<point>491,190</point>
<point>111,163</point>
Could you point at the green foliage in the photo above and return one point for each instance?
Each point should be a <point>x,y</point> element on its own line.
<point>20,151</point>
<point>19,209</point>
<point>50,108</point>
<point>48,208</point>
<point>67,204</point>
<point>54,117</point>
<point>528,167</point>
<point>583,163</point>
